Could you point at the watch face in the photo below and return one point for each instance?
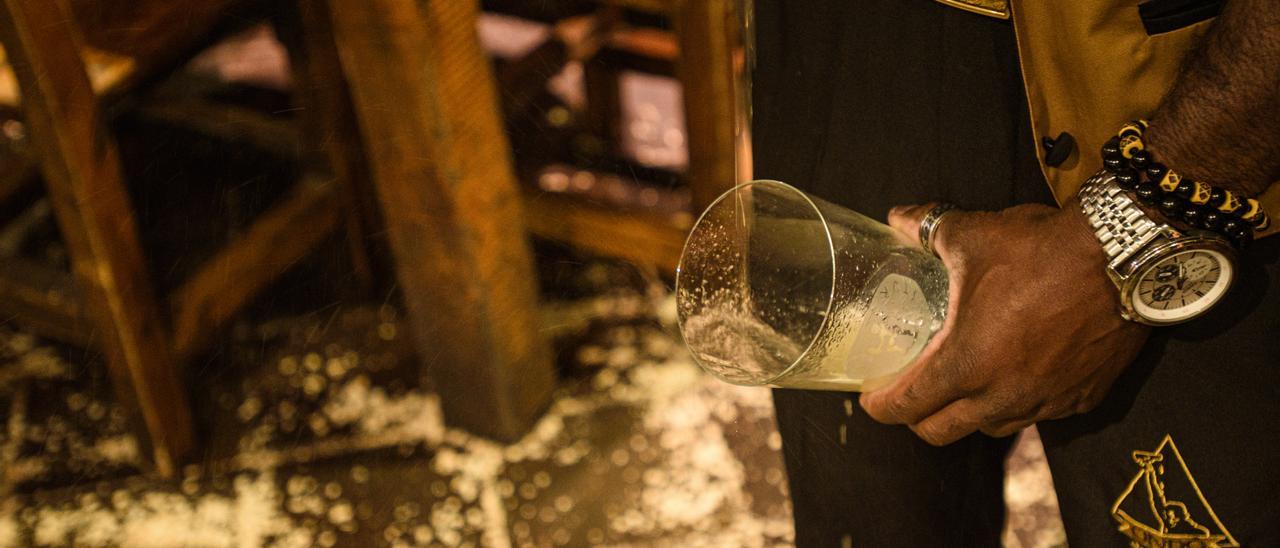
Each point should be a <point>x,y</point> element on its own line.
<point>1182,285</point>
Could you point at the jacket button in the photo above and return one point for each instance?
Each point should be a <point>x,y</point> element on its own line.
<point>1057,150</point>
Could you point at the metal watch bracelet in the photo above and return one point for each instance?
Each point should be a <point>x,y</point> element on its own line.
<point>1119,224</point>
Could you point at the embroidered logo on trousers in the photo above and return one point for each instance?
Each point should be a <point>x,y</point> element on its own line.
<point>1163,507</point>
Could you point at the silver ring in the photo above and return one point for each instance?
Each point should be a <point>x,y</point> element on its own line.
<point>929,225</point>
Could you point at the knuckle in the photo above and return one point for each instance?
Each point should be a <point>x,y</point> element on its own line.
<point>1057,409</point>
<point>1009,402</point>
<point>903,404</point>
<point>1026,405</point>
<point>1086,404</point>
<point>1046,410</point>
<point>932,433</point>
<point>1078,402</point>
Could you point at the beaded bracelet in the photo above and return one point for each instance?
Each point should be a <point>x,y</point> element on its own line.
<point>1193,202</point>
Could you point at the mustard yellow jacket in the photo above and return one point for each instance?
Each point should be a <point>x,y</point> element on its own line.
<point>1090,65</point>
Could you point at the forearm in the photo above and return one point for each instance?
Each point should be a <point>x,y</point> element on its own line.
<point>1220,123</point>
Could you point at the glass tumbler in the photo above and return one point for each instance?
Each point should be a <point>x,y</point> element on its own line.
<point>779,288</point>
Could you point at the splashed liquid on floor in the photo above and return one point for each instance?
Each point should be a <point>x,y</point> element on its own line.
<point>326,442</point>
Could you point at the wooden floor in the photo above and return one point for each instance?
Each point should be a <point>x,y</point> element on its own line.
<point>319,425</point>
<point>322,434</point>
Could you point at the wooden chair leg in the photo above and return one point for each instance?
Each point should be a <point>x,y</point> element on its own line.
<point>427,109</point>
<point>81,168</point>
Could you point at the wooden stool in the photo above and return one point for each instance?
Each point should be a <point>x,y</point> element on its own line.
<point>108,302</point>
<point>700,52</point>
<point>438,168</point>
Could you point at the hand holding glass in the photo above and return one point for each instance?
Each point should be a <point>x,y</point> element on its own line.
<point>779,288</point>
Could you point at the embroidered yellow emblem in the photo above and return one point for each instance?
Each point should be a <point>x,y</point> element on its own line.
<point>1157,510</point>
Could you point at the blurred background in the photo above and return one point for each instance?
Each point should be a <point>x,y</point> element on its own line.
<point>376,272</point>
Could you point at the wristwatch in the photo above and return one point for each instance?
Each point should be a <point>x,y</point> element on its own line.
<point>1165,275</point>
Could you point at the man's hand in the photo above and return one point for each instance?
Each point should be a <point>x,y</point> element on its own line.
<point>1033,328</point>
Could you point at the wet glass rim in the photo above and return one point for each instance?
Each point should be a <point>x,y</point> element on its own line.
<point>831,291</point>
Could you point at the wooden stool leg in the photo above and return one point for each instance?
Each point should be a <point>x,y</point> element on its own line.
<point>707,31</point>
<point>80,166</point>
<point>426,104</point>
<point>329,131</point>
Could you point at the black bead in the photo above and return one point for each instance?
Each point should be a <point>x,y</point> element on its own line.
<point>1156,171</point>
<point>1171,206</point>
<point>1231,224</point>
<point>1147,192</point>
<point>1127,178</point>
<point>1192,215</point>
<point>1217,196</point>
<point>1140,160</point>
<point>1241,236</point>
<point>1211,220</point>
<point>1185,188</point>
<point>1113,162</point>
<point>1112,146</point>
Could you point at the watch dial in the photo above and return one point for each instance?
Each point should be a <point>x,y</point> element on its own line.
<point>1182,285</point>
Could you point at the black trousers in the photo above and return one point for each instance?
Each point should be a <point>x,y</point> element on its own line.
<point>873,103</point>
